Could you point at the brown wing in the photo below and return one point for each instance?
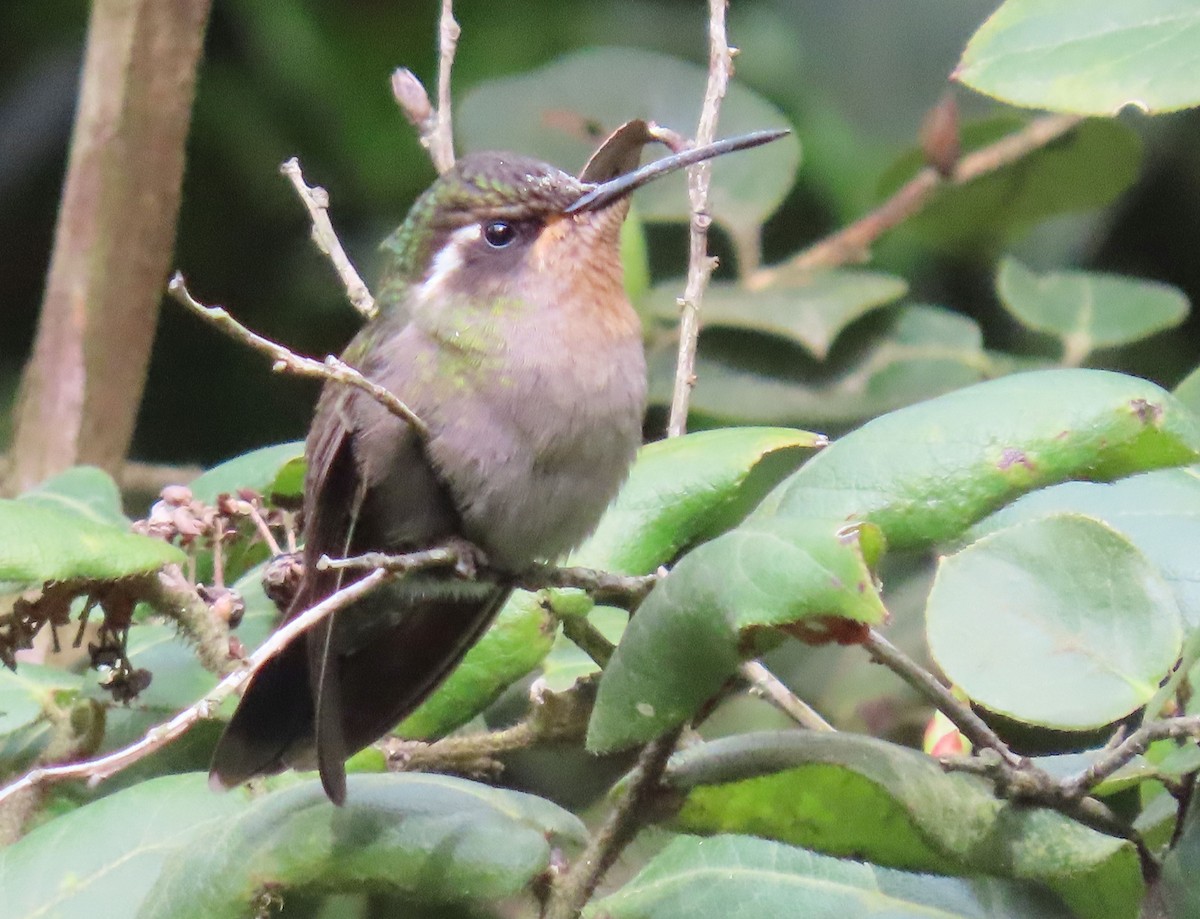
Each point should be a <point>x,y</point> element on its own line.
<point>355,675</point>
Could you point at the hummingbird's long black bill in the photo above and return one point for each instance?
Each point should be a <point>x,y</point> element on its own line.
<point>606,193</point>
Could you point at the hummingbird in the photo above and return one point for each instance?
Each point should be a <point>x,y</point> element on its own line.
<point>504,325</point>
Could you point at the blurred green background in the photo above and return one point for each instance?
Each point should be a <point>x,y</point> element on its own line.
<point>300,77</point>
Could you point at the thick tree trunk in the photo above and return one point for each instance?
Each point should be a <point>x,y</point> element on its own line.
<point>116,231</point>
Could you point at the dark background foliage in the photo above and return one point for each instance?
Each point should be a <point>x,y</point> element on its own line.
<point>299,77</point>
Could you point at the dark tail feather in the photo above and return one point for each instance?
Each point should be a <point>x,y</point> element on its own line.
<point>364,693</point>
<point>275,712</point>
<point>389,676</point>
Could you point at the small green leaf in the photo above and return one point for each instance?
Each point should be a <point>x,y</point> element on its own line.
<point>1087,310</point>
<point>739,877</point>
<point>686,489</point>
<point>1080,171</point>
<point>1059,622</point>
<point>41,542</point>
<point>435,839</point>
<point>810,311</point>
<point>1092,57</point>
<point>257,470</point>
<point>1187,391</point>
<point>1159,512</point>
<point>691,632</point>
<point>856,796</point>
<point>913,353</point>
<point>83,490</point>
<point>560,112</point>
<point>925,473</point>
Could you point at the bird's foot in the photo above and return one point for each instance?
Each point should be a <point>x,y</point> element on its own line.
<point>470,557</point>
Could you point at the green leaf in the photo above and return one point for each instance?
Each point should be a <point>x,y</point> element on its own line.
<point>856,796</point>
<point>83,490</point>
<point>102,859</point>
<point>258,470</point>
<point>686,489</point>
<point>701,620</point>
<point>1159,512</point>
<point>434,839</point>
<point>925,473</point>
<point>1178,886</point>
<point>811,312</point>
<point>516,643</point>
<point>1080,171</point>
<point>171,847</point>
<point>1187,391</point>
<point>560,112</point>
<point>1087,310</point>
<point>914,353</point>
<point>41,542</point>
<point>1059,622</point>
<point>1092,57</point>
<point>739,877</point>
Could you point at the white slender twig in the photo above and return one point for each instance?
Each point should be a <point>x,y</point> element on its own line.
<point>287,361</point>
<point>316,202</point>
<point>700,263</point>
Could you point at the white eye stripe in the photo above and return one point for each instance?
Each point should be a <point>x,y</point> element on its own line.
<point>449,259</point>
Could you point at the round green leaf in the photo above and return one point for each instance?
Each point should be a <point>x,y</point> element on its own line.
<point>40,541</point>
<point>810,312</point>
<point>925,473</point>
<point>1159,512</point>
<point>697,624</point>
<point>1087,310</point>
<point>855,796</point>
<point>1093,57</point>
<point>739,877</point>
<point>561,111</point>
<point>1059,622</point>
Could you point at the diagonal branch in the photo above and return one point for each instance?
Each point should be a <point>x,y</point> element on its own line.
<point>331,369</point>
<point>853,243</point>
<point>316,201</point>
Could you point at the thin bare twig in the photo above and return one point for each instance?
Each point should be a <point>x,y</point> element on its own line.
<point>619,827</point>
<point>770,687</point>
<point>604,586</point>
<point>1118,755</point>
<point>700,263</point>
<point>853,243</point>
<point>924,682</point>
<point>330,369</point>
<point>441,140</point>
<point>97,770</point>
<point>316,201</point>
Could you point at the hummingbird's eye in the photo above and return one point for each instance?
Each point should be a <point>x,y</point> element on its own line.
<point>499,233</point>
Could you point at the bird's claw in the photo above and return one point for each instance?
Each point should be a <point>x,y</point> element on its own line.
<point>470,558</point>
